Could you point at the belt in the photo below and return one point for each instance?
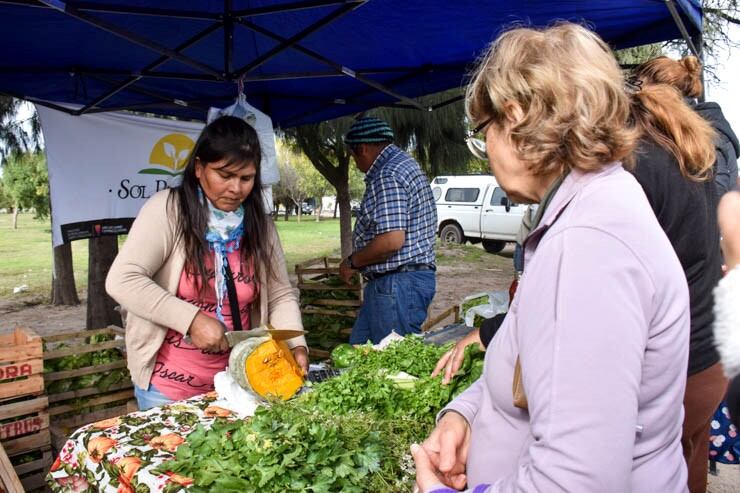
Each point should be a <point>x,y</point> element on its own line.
<point>371,276</point>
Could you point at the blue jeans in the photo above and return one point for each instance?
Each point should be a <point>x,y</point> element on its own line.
<point>149,398</point>
<point>395,302</point>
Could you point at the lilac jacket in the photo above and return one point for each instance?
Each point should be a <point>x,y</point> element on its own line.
<point>601,325</point>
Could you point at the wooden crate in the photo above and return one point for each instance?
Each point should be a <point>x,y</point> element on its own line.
<point>69,410</point>
<point>21,364</point>
<point>25,431</point>
<point>312,276</point>
<point>432,322</point>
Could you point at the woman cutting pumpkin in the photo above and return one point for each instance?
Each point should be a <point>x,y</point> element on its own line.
<point>193,253</point>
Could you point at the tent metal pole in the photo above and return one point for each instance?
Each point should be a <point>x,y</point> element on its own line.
<point>40,102</point>
<point>158,62</point>
<point>411,75</point>
<point>120,9</point>
<point>129,36</point>
<point>671,4</point>
<point>153,94</point>
<point>291,6</point>
<point>699,43</point>
<point>146,11</point>
<point>228,39</point>
<point>294,40</point>
<point>338,67</point>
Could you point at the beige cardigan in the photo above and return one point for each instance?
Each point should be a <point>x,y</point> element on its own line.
<point>146,273</point>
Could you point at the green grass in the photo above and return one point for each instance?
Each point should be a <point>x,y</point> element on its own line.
<point>26,253</point>
<point>450,254</point>
<point>26,256</point>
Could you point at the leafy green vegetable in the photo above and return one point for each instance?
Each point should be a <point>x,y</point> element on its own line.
<point>288,448</point>
<point>351,433</point>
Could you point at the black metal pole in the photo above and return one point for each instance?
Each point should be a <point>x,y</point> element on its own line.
<point>698,41</point>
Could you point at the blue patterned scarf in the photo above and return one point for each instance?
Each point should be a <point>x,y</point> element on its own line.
<point>224,234</point>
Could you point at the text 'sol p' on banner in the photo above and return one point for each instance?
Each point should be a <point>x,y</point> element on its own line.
<point>103,167</point>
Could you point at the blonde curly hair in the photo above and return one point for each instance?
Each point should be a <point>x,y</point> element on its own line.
<point>571,90</point>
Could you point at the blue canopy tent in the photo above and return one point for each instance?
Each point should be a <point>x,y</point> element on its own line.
<point>301,60</point>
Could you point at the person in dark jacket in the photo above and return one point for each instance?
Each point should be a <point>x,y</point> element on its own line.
<point>685,76</point>
<point>674,165</point>
<point>726,145</point>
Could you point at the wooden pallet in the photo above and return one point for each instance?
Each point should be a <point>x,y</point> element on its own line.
<point>65,411</point>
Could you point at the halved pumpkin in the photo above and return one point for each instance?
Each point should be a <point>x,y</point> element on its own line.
<point>266,367</point>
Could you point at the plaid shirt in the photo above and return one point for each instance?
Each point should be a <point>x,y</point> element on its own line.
<point>397,197</point>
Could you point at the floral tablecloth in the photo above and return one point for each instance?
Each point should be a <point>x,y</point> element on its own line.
<point>121,454</point>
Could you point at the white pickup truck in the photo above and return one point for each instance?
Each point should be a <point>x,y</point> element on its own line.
<point>474,208</point>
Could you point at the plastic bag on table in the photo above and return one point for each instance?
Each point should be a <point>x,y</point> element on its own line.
<point>486,305</point>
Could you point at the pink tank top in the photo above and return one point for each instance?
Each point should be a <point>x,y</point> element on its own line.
<point>182,370</point>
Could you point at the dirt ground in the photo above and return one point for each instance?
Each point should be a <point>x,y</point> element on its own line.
<point>457,277</point>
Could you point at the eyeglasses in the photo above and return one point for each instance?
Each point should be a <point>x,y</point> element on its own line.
<point>477,147</point>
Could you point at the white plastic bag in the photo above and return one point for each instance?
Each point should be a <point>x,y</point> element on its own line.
<point>265,132</point>
<point>498,302</point>
<point>232,396</point>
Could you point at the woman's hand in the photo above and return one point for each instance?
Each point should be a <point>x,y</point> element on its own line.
<point>447,452</point>
<point>452,359</point>
<point>427,476</point>
<point>207,334</point>
<point>300,354</point>
<point>729,224</point>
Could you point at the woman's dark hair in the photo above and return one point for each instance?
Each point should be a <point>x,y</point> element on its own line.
<point>234,141</point>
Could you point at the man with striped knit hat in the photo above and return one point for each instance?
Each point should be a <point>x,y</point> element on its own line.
<point>393,239</point>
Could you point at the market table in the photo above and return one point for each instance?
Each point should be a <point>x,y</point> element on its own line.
<point>121,454</point>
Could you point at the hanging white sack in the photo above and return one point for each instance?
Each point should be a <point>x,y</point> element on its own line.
<point>263,125</point>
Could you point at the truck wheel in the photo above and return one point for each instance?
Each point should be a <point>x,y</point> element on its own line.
<point>493,246</point>
<point>452,233</point>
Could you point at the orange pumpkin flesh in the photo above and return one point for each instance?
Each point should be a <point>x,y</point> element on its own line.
<point>271,370</point>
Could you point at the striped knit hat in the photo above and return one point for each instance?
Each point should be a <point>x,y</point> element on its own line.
<point>368,130</point>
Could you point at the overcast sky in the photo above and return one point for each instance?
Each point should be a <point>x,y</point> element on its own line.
<point>727,91</point>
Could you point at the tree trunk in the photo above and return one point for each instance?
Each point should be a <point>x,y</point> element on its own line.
<point>345,218</point>
<point>63,289</point>
<point>336,206</point>
<point>101,307</point>
<point>15,217</point>
<point>317,210</point>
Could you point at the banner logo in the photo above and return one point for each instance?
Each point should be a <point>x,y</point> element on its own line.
<point>170,155</point>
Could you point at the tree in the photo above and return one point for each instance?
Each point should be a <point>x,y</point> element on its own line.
<point>5,202</point>
<point>288,191</point>
<point>101,310</point>
<point>17,136</point>
<point>323,145</point>
<point>718,16</point>
<point>299,179</point>
<point>26,184</point>
<point>435,138</point>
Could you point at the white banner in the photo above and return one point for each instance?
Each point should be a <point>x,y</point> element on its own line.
<point>104,166</point>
